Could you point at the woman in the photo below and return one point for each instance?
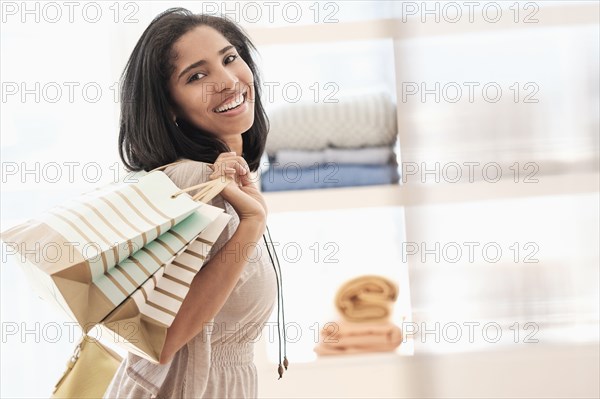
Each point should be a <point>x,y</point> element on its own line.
<point>191,91</point>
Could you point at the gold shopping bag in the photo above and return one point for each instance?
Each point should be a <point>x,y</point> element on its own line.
<point>89,371</point>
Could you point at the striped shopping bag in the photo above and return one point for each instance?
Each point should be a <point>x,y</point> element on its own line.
<point>140,323</point>
<point>91,254</point>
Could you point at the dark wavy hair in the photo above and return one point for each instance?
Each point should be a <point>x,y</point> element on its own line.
<point>148,138</point>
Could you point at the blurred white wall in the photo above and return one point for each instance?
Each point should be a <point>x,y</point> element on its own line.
<point>60,74</point>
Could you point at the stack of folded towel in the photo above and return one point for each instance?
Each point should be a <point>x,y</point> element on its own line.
<point>365,305</point>
<point>349,143</point>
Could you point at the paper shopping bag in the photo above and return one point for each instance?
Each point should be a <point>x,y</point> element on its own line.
<point>89,371</point>
<point>140,323</point>
<point>89,255</point>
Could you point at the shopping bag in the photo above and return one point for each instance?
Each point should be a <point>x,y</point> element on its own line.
<point>140,323</point>
<point>89,255</point>
<point>89,371</point>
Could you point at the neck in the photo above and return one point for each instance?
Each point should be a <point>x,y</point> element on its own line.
<point>236,144</point>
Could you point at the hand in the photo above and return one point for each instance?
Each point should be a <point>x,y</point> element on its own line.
<point>242,194</point>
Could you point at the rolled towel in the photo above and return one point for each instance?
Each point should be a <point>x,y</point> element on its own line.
<point>366,299</point>
<point>344,337</point>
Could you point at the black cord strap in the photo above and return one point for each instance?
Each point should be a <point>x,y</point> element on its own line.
<point>279,279</point>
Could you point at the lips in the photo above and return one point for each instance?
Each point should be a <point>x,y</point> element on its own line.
<point>229,99</point>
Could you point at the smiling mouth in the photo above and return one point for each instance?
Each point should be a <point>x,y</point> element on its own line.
<point>229,108</point>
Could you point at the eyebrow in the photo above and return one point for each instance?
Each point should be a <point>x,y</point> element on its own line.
<point>202,62</point>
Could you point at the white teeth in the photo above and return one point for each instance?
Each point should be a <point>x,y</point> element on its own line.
<point>234,103</point>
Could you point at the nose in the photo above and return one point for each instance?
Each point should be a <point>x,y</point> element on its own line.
<point>227,80</point>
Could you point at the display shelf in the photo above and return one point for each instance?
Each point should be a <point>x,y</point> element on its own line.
<point>411,27</point>
<point>417,194</point>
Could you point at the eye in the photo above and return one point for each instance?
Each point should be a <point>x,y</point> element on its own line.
<point>231,57</point>
<point>192,78</point>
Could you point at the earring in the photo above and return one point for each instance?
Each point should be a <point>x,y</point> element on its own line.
<point>175,121</point>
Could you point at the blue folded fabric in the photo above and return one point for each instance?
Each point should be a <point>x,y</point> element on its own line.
<point>328,175</point>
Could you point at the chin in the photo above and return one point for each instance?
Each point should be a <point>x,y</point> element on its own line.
<point>246,126</point>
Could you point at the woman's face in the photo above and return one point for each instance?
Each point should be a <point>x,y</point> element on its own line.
<point>210,77</point>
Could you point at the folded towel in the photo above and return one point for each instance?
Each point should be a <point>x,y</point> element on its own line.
<point>326,175</point>
<point>302,158</point>
<point>366,299</point>
<point>365,120</point>
<point>344,337</point>
<point>356,156</point>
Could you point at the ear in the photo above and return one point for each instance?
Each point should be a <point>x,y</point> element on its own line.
<point>172,114</point>
<point>173,111</point>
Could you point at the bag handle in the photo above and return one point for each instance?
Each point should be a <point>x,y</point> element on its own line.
<point>208,190</point>
<point>71,363</point>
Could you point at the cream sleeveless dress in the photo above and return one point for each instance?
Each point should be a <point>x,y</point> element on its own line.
<point>218,362</point>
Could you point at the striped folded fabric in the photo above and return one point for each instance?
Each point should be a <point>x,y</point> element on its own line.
<point>118,246</point>
<point>358,120</point>
<point>381,155</point>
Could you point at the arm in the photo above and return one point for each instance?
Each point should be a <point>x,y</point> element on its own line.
<point>205,298</point>
<point>215,281</point>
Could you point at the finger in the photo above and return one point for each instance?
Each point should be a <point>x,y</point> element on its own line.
<point>247,179</point>
<point>222,164</point>
<point>224,171</point>
<point>240,168</point>
<point>228,158</point>
<point>242,161</point>
<point>226,155</point>
<point>235,163</point>
<point>243,164</point>
<point>220,157</point>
